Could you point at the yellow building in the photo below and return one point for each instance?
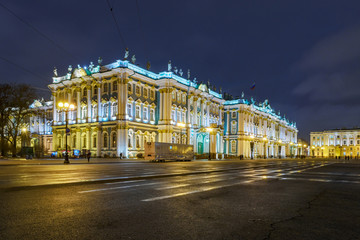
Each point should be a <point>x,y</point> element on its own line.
<point>335,143</point>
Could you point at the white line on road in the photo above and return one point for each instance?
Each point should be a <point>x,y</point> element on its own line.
<point>195,191</point>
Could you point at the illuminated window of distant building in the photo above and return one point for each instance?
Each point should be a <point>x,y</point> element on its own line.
<point>84,92</point>
<point>183,117</point>
<point>351,142</point>
<point>137,141</point>
<point>179,97</point>
<point>174,95</point>
<point>358,142</point>
<point>233,114</point>
<point>83,112</point>
<point>344,142</point>
<point>184,98</point>
<point>129,88</point>
<point>173,115</point>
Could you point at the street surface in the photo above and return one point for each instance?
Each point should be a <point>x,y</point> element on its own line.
<point>250,199</point>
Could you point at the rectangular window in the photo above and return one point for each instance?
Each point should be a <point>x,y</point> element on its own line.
<point>152,94</point>
<point>173,115</point>
<point>137,90</point>
<point>344,142</point>
<point>105,87</point>
<point>145,92</point>
<point>233,146</point>
<point>114,86</point>
<point>178,116</point>
<point>233,114</point>
<point>129,88</point>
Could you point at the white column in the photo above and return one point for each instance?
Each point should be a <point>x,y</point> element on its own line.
<point>98,102</point>
<point>54,108</point>
<point>98,145</point>
<point>208,114</point>
<point>78,107</point>
<point>88,103</point>
<point>202,102</point>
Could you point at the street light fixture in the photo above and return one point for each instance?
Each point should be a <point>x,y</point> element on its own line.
<point>65,107</point>
<point>209,129</point>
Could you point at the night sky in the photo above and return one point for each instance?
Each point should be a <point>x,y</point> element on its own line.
<point>303,55</point>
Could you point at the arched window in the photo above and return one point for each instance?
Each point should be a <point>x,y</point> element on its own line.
<point>83,112</point>
<point>114,109</point>
<point>94,111</point>
<point>146,113</point>
<point>105,140</point>
<point>106,110</point>
<point>113,140</point>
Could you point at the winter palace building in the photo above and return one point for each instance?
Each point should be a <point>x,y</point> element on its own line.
<point>121,106</point>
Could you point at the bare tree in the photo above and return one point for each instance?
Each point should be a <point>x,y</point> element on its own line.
<point>20,99</point>
<point>5,93</point>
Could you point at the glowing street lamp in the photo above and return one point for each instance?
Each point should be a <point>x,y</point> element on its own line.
<point>65,107</point>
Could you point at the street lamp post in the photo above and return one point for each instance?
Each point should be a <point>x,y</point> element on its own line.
<point>65,107</point>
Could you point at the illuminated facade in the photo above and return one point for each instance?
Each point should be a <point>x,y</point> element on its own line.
<point>40,127</point>
<point>335,143</point>
<point>120,106</point>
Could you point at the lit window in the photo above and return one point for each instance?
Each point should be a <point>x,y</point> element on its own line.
<point>233,114</point>
<point>129,110</point>
<point>84,141</point>
<point>145,92</point>
<point>146,110</point>
<point>85,92</point>
<point>178,116</point>
<point>152,94</point>
<point>233,146</point>
<point>174,95</point>
<point>106,110</point>
<point>137,111</point>
<point>137,90</point>
<point>129,88</point>
<point>114,109</point>
<point>233,127</point>
<point>152,115</point>
<point>83,112</point>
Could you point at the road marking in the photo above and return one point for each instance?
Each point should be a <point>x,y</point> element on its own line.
<point>125,182</point>
<point>195,191</point>
<point>121,187</point>
<point>171,187</point>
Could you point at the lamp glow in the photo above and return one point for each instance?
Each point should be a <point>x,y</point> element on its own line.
<point>72,106</point>
<point>60,104</point>
<point>66,105</point>
<point>24,129</point>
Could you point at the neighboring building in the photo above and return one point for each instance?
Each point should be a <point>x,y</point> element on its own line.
<point>335,143</point>
<point>40,127</point>
<point>120,106</point>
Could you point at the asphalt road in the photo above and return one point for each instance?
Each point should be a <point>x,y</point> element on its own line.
<point>262,199</point>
